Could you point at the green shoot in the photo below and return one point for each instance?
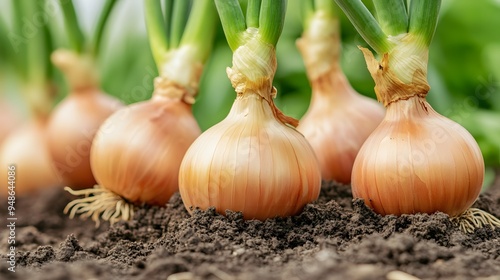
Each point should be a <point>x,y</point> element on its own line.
<point>103,18</point>
<point>253,11</point>
<point>365,24</point>
<point>271,20</point>
<point>200,28</point>
<point>307,11</point>
<point>37,51</point>
<point>181,24</point>
<point>168,6</point>
<point>233,21</point>
<point>423,19</point>
<point>327,6</point>
<point>156,30</point>
<point>392,16</point>
<point>178,23</point>
<point>74,32</point>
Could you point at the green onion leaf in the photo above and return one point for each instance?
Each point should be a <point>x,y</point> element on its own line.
<point>233,21</point>
<point>423,18</point>
<point>200,28</point>
<point>73,30</point>
<point>271,20</point>
<point>101,23</point>
<point>365,24</point>
<point>156,30</point>
<point>178,23</point>
<point>392,16</point>
<point>253,12</point>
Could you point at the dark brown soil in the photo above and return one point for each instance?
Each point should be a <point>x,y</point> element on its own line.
<point>334,238</point>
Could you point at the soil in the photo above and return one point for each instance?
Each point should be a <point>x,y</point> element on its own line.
<point>333,238</point>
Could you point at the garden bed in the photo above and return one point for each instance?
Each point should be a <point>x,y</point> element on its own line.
<point>334,238</point>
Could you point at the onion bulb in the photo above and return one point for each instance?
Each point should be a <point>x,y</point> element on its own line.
<point>74,122</point>
<point>26,148</point>
<point>9,120</point>
<point>253,161</point>
<point>339,119</point>
<point>417,161</point>
<point>138,151</point>
<point>136,154</point>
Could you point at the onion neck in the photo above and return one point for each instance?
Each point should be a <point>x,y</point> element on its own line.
<point>79,69</point>
<point>408,56</point>
<point>402,72</point>
<point>180,74</point>
<point>320,45</point>
<point>409,109</point>
<point>254,67</point>
<point>331,87</point>
<point>321,49</point>
<point>39,98</point>
<point>166,90</point>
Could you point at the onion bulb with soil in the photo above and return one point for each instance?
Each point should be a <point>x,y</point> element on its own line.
<point>416,161</point>
<point>254,161</point>
<point>26,149</point>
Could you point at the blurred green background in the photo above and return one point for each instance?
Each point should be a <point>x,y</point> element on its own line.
<point>464,65</point>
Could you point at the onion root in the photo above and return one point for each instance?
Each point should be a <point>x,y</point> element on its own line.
<point>99,203</point>
<point>473,219</point>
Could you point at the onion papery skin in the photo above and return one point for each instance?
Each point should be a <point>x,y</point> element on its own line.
<point>26,148</point>
<point>418,161</point>
<point>250,162</point>
<point>71,129</point>
<point>337,123</point>
<point>138,150</point>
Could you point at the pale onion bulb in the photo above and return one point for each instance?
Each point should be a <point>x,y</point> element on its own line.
<point>138,150</point>
<point>339,119</point>
<point>418,161</point>
<point>76,119</point>
<point>250,162</point>
<point>9,120</point>
<point>337,123</point>
<point>71,129</point>
<point>26,148</point>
